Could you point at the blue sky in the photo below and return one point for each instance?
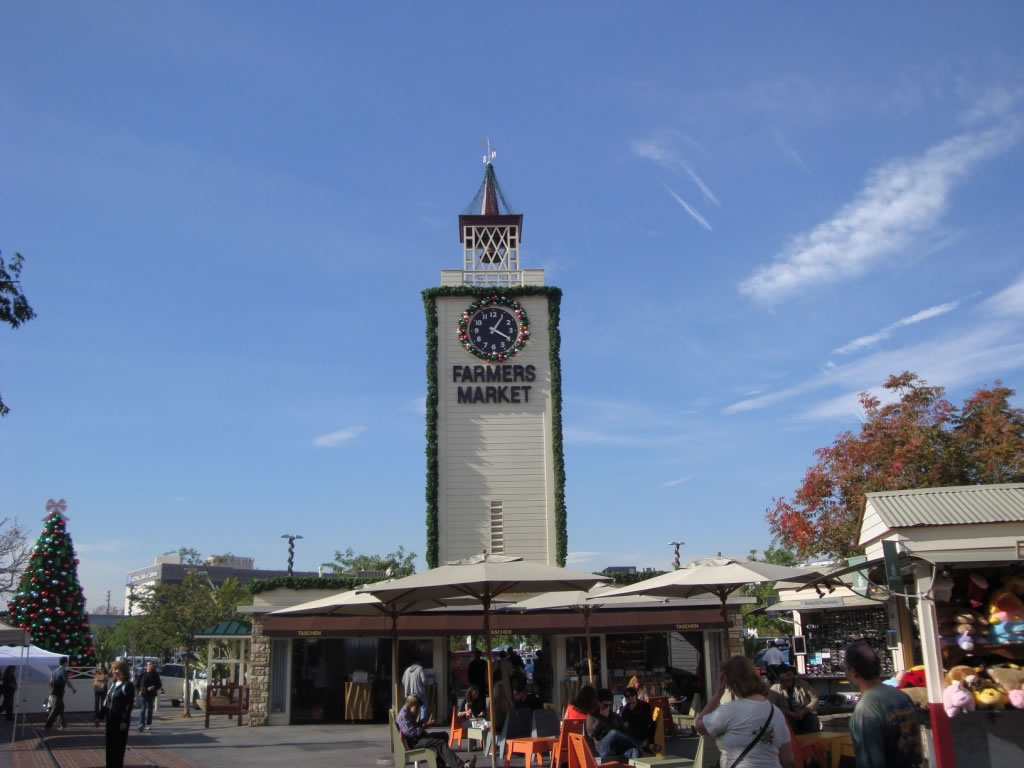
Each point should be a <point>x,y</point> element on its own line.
<point>229,210</point>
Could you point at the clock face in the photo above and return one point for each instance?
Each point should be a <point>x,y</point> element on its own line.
<point>494,328</point>
<point>493,331</point>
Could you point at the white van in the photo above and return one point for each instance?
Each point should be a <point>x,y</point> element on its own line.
<point>172,676</point>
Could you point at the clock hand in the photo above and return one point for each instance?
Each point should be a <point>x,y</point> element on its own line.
<point>494,329</point>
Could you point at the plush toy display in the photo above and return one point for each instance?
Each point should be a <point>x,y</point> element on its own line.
<point>957,698</point>
<point>1016,698</point>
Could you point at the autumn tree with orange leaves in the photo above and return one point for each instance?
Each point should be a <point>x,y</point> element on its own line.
<point>919,441</point>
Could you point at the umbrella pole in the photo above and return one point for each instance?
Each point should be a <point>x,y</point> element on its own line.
<point>490,680</point>
<point>590,657</point>
<point>725,628</point>
<point>395,682</point>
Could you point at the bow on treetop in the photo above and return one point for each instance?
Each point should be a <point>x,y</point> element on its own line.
<point>55,507</point>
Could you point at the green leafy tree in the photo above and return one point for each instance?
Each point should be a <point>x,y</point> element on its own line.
<point>179,612</point>
<point>14,307</point>
<point>400,562</point>
<point>920,440</point>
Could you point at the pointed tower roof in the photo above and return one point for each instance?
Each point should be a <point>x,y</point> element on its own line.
<point>489,206</point>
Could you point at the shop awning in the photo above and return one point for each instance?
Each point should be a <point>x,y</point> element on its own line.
<point>823,603</point>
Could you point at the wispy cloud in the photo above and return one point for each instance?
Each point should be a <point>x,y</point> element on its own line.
<point>1009,301</point>
<point>689,209</point>
<point>788,151</point>
<point>334,439</point>
<point>898,202</point>
<point>580,558</point>
<point>680,481</point>
<point>866,341</point>
<point>664,149</point>
<point>988,349</point>
<point>418,405</point>
<point>996,102</point>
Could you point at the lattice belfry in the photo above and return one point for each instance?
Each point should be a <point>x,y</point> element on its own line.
<point>491,255</point>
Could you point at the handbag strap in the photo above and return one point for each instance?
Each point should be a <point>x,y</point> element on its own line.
<point>750,746</point>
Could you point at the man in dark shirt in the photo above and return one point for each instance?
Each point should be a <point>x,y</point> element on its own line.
<point>58,681</point>
<point>148,686</point>
<point>476,672</point>
<point>884,725</point>
<point>608,731</point>
<point>637,718</point>
<point>522,698</point>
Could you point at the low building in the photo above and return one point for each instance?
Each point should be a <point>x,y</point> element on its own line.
<point>169,569</point>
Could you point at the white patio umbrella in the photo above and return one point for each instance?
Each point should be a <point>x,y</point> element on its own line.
<point>719,576</point>
<point>354,603</point>
<point>584,602</point>
<point>483,578</point>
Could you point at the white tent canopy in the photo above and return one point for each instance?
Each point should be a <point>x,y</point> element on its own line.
<point>35,657</point>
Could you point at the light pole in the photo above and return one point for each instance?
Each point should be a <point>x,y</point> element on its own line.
<point>291,549</point>
<point>677,545</point>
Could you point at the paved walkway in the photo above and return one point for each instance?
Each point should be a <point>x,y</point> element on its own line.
<point>176,742</point>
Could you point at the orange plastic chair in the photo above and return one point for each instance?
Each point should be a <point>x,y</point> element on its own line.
<point>666,712</point>
<point>802,753</point>
<point>580,755</point>
<point>458,731</point>
<point>659,729</point>
<point>560,753</point>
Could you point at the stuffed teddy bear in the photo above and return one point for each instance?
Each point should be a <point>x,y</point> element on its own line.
<point>919,696</point>
<point>1009,677</point>
<point>957,698</point>
<point>962,673</point>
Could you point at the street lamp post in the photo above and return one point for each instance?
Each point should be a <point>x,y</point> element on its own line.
<point>291,549</point>
<point>677,545</point>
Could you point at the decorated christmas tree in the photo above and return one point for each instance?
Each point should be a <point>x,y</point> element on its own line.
<point>49,602</point>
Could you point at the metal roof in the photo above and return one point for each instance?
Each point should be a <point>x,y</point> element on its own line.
<point>953,505</point>
<point>229,628</point>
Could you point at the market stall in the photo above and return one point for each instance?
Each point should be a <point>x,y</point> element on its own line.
<point>963,550</point>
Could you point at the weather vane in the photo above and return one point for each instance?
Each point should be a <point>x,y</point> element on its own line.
<point>492,152</point>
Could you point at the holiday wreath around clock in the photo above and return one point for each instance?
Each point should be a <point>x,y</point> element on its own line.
<point>494,328</point>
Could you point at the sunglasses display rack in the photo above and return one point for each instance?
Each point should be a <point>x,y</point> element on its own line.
<point>828,634</point>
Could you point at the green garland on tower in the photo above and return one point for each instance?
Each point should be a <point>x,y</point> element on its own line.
<point>554,297</point>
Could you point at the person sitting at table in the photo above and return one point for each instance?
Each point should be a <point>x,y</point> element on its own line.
<point>583,704</point>
<point>608,732</point>
<point>671,691</point>
<point>415,733</point>
<point>636,685</point>
<point>638,719</point>
<point>472,704</point>
<point>522,698</point>
<point>796,699</point>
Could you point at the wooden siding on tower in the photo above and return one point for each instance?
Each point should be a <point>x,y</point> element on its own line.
<point>495,452</point>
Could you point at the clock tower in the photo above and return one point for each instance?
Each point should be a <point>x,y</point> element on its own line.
<point>495,471</point>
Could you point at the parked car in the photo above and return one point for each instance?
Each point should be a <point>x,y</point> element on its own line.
<point>173,678</point>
